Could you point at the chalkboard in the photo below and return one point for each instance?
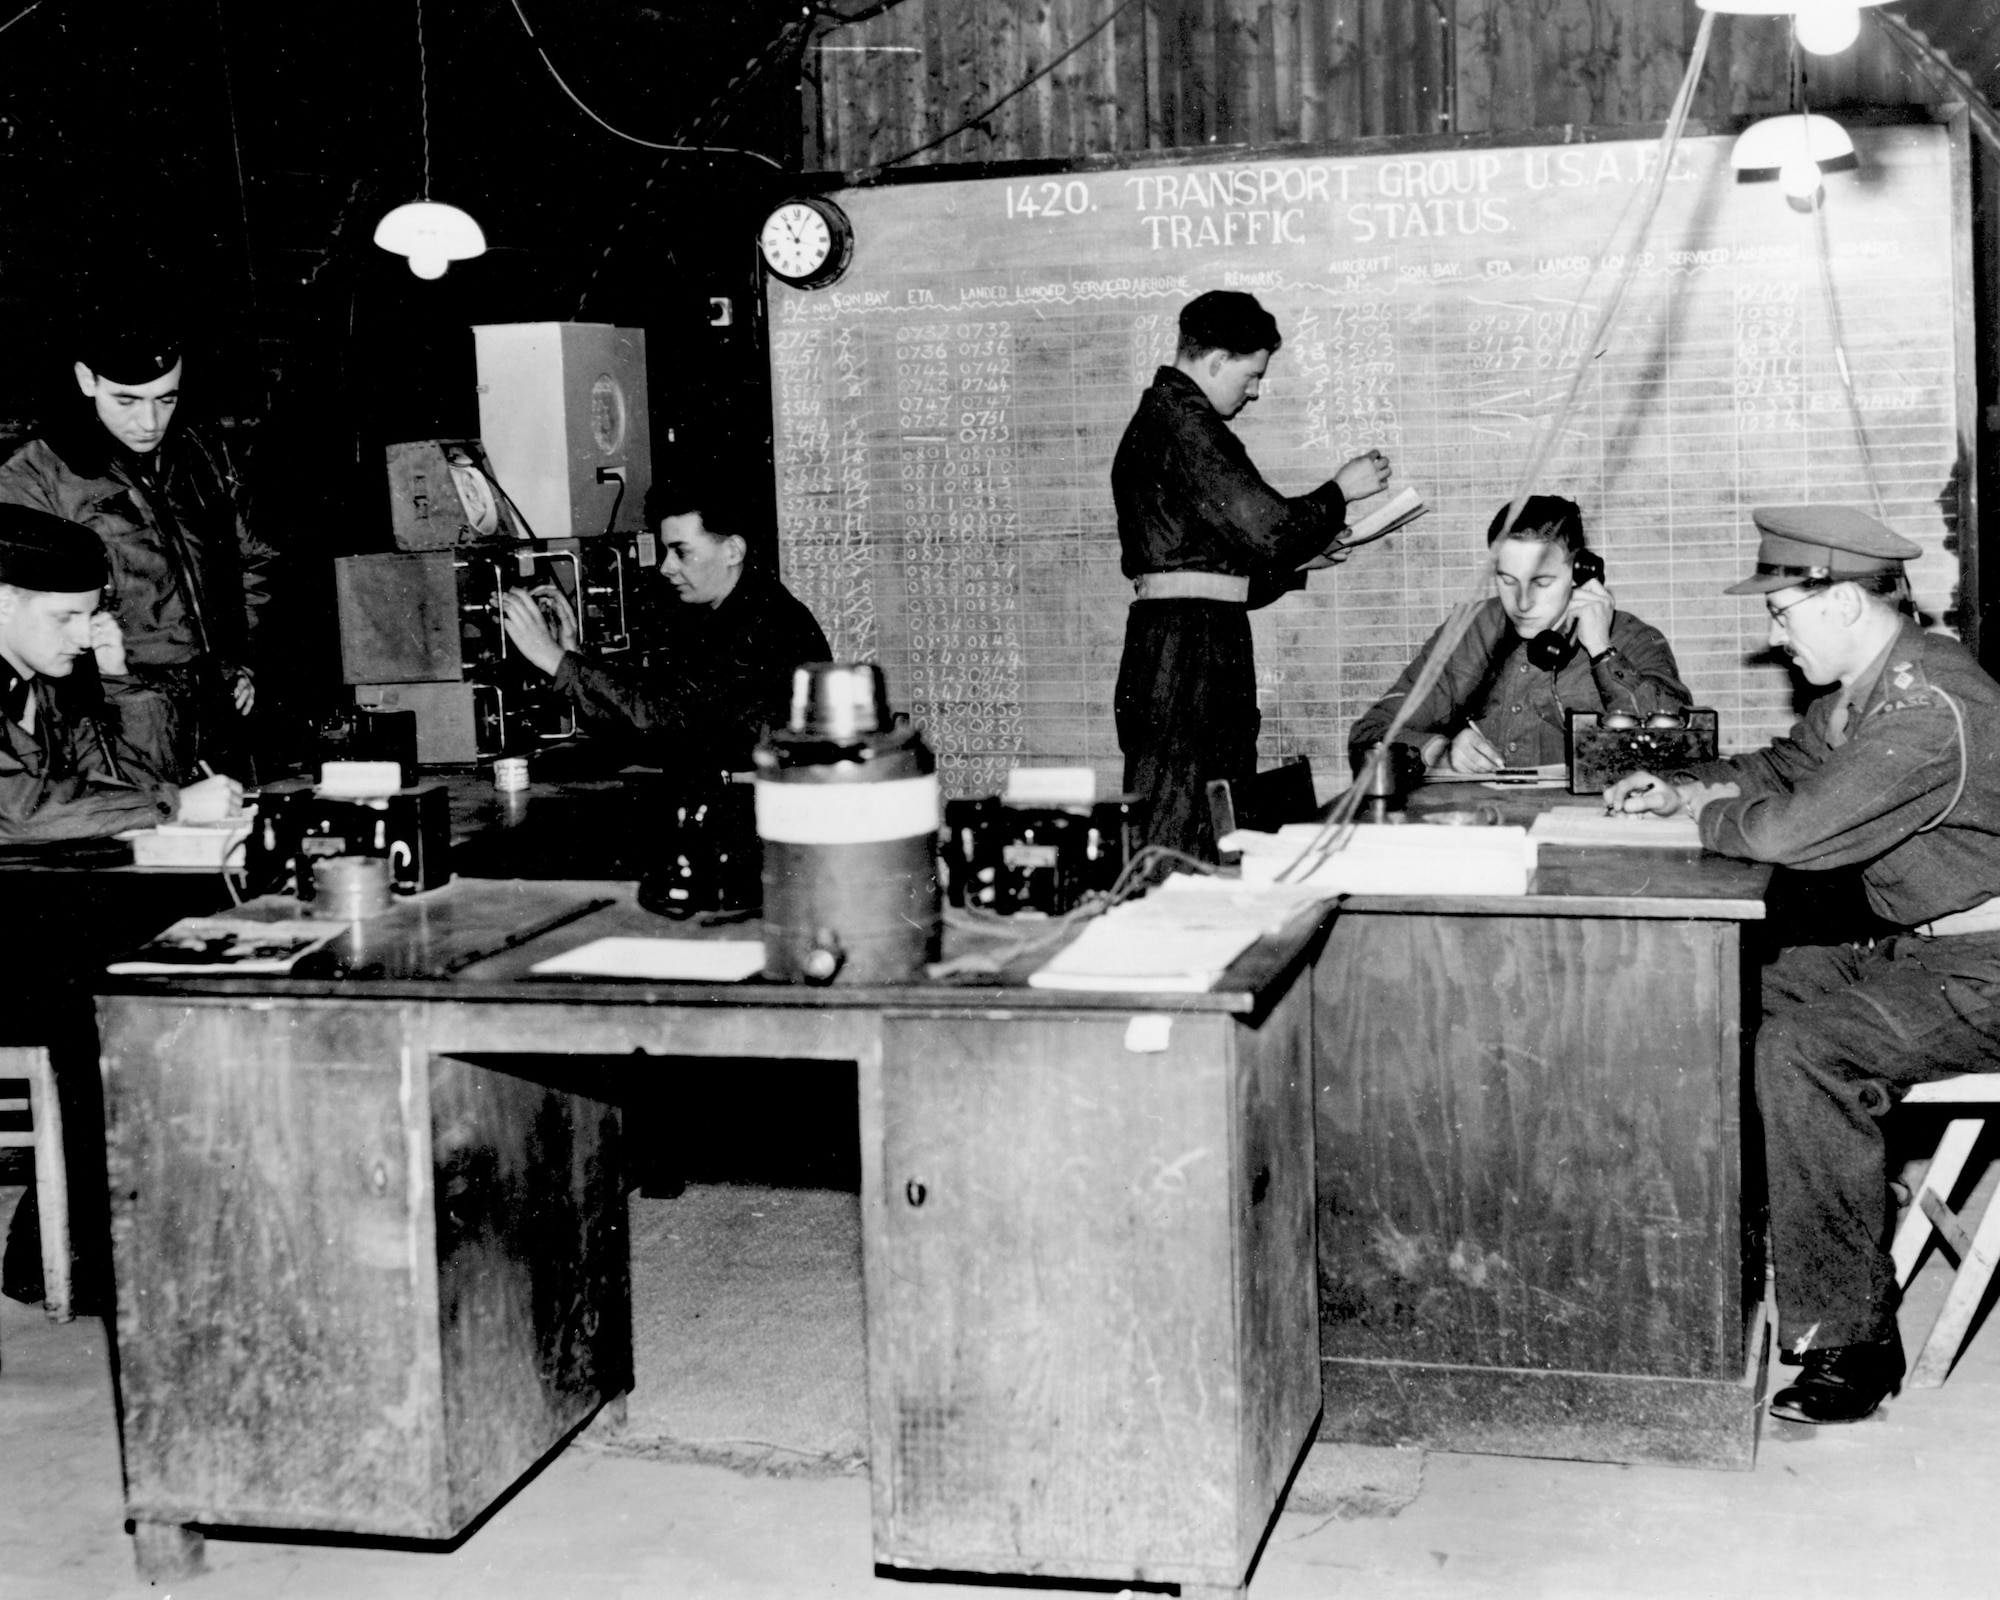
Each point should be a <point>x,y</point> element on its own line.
<point>945,415</point>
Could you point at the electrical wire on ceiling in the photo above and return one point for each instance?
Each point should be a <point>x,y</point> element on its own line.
<point>632,138</point>
<point>1019,89</point>
<point>787,38</point>
<point>22,16</point>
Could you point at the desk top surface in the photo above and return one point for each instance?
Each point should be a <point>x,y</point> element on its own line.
<point>478,939</point>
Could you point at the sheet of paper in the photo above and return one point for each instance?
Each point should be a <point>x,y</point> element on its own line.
<point>1588,825</point>
<point>225,944</point>
<point>689,960</point>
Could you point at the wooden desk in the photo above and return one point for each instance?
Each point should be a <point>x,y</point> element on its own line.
<point>371,1264</point>
<point>1540,1229</point>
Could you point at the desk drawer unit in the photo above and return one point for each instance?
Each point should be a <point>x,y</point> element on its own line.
<point>1091,1339</point>
<point>360,1287</point>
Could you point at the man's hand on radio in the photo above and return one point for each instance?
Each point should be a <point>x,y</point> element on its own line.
<point>529,633</point>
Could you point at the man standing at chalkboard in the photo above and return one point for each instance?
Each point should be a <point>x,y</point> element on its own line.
<point>1205,539</point>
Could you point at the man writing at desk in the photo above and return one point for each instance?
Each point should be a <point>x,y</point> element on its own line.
<point>70,769</point>
<point>1502,697</point>
<point>1896,772</point>
<point>1205,540</point>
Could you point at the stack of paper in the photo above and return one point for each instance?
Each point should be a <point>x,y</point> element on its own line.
<point>1411,858</point>
<point>1590,826</point>
<point>1181,938</point>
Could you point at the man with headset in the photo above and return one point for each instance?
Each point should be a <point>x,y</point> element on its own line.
<point>1896,773</point>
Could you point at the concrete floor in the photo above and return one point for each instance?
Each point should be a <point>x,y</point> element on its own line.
<point>1894,1506</point>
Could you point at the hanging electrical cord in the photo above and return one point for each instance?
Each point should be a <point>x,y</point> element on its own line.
<point>22,16</point>
<point>1019,89</point>
<point>632,138</point>
<point>1338,829</point>
<point>1824,255</point>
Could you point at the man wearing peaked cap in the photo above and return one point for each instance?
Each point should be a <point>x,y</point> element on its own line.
<point>75,763</point>
<point>1801,544</point>
<point>1895,772</point>
<point>188,579</point>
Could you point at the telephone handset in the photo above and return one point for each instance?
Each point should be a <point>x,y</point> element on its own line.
<point>1551,649</point>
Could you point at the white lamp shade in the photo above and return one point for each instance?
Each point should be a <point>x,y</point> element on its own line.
<point>431,234</point>
<point>1764,149</point>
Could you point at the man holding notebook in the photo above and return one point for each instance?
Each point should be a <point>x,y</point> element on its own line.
<point>1206,539</point>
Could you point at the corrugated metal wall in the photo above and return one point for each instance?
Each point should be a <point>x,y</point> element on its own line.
<point>1134,75</point>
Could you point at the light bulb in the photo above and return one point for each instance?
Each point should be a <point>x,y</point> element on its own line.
<point>430,263</point>
<point>1800,179</point>
<point>1828,28</point>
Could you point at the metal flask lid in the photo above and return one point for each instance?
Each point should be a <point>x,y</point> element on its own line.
<point>839,703</point>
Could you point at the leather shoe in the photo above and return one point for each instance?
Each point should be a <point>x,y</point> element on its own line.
<point>1842,1384</point>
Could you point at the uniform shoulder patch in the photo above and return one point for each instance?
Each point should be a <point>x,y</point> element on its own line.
<point>1907,702</point>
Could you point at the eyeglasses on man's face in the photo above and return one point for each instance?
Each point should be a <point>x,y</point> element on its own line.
<point>1777,613</point>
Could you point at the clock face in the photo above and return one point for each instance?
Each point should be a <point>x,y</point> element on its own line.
<point>805,242</point>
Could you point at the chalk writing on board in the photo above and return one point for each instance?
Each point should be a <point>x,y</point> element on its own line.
<point>945,417</point>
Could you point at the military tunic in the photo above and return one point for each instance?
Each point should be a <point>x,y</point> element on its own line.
<point>1908,791</point>
<point>77,776</point>
<point>1489,683</point>
<point>1189,500</point>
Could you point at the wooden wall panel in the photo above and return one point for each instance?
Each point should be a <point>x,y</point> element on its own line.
<point>1172,74</point>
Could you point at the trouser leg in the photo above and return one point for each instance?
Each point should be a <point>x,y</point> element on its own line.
<point>1846,1029</point>
<point>1186,708</point>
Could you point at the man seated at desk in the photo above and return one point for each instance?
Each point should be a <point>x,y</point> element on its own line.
<point>77,763</point>
<point>1496,705</point>
<point>1896,772</point>
<point>700,699</point>
<point>78,760</point>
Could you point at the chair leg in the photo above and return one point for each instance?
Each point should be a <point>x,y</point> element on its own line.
<point>1961,1305</point>
<point>51,1185</point>
<point>1940,1178</point>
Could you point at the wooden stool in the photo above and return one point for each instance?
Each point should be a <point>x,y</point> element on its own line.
<point>1931,1213</point>
<point>45,1138</point>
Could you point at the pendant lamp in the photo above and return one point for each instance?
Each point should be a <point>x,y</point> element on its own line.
<point>1797,150</point>
<point>1824,27</point>
<point>431,233</point>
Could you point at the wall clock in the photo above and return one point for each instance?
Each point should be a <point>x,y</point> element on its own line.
<point>807,242</point>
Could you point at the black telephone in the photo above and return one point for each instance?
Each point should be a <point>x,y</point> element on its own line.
<point>1551,649</point>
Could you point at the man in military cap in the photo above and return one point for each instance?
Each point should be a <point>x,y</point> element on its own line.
<point>77,760</point>
<point>1896,772</point>
<point>188,579</point>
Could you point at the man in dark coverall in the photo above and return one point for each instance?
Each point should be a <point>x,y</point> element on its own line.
<point>1896,772</point>
<point>1205,539</point>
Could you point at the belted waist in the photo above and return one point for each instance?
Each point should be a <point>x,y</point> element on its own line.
<point>1192,586</point>
<point>1982,918</point>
